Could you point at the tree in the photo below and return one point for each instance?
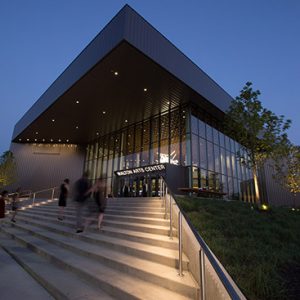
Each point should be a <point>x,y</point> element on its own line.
<point>288,170</point>
<point>7,169</point>
<point>260,132</point>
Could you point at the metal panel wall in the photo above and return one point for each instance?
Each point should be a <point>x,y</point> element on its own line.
<point>148,40</point>
<point>43,166</point>
<point>276,194</point>
<point>101,45</point>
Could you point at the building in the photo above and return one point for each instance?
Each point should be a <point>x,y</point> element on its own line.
<point>131,108</point>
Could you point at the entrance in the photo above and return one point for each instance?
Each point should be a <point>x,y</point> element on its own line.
<point>139,186</point>
<point>139,182</point>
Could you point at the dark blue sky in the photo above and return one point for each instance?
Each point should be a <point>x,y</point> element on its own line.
<point>233,41</point>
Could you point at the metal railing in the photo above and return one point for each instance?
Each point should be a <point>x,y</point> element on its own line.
<point>43,191</point>
<point>204,252</point>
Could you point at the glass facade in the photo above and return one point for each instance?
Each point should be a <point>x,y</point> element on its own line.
<point>183,136</point>
<point>160,139</point>
<point>215,165</point>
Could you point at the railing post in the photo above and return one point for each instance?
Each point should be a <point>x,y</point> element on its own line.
<point>160,187</point>
<point>52,196</point>
<point>180,244</point>
<point>33,198</point>
<point>202,274</point>
<point>171,218</point>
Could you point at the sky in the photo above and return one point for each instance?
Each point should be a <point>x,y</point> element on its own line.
<point>233,41</point>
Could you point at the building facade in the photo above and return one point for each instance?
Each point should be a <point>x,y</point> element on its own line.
<point>130,109</point>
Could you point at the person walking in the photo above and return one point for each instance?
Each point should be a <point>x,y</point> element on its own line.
<point>97,208</point>
<point>3,197</point>
<point>15,204</point>
<point>81,193</point>
<point>62,201</point>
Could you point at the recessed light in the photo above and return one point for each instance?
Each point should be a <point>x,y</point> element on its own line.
<point>168,102</point>
<point>77,101</point>
<point>104,112</point>
<point>76,127</point>
<point>27,140</point>
<point>53,120</point>
<point>35,140</point>
<point>51,140</point>
<point>59,140</point>
<point>67,141</point>
<point>145,89</point>
<point>43,140</point>
<point>20,140</point>
<point>126,121</point>
<point>97,133</point>
<point>116,73</point>
<point>36,132</point>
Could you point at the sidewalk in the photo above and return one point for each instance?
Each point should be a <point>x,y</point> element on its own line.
<point>16,283</point>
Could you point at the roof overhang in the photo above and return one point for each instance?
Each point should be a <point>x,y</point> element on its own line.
<point>130,72</point>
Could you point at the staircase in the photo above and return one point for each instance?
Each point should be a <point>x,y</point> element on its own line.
<point>132,256</point>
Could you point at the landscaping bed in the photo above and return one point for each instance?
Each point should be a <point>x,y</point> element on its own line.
<point>259,249</point>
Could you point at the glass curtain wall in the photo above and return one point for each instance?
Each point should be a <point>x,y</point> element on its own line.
<point>214,162</point>
<point>160,139</point>
<point>184,136</point>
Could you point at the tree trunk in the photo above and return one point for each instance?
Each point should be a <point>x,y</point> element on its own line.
<point>256,187</point>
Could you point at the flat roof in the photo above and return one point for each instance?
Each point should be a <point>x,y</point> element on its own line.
<point>110,75</point>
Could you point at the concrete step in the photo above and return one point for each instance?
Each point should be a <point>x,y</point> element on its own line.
<point>108,216</point>
<point>156,254</point>
<point>141,237</point>
<point>149,228</point>
<point>115,211</point>
<point>15,282</point>
<point>89,268</point>
<point>158,207</point>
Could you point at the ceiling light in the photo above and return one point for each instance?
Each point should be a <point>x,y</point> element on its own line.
<point>27,140</point>
<point>77,102</point>
<point>20,140</point>
<point>67,141</point>
<point>126,121</point>
<point>36,132</point>
<point>97,133</point>
<point>76,127</point>
<point>104,112</point>
<point>53,120</point>
<point>43,140</point>
<point>168,102</point>
<point>51,140</point>
<point>116,73</point>
<point>35,140</point>
<point>145,90</point>
<point>59,140</point>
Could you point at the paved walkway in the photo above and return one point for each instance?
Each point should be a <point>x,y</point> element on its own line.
<point>16,284</point>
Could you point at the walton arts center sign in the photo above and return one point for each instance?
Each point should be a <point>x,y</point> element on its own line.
<point>140,170</point>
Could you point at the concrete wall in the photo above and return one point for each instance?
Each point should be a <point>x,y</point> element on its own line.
<point>41,166</point>
<point>214,288</point>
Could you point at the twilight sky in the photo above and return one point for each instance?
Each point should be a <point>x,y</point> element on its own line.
<point>233,41</point>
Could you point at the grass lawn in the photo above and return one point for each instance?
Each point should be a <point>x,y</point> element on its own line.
<point>259,249</point>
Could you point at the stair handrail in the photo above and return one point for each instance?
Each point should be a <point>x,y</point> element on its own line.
<point>42,191</point>
<point>205,251</point>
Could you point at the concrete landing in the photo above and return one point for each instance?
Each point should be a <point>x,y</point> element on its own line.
<point>16,283</point>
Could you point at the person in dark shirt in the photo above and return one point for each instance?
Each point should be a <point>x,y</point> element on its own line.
<point>3,197</point>
<point>97,205</point>
<point>15,204</point>
<point>81,193</point>
<point>62,201</point>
